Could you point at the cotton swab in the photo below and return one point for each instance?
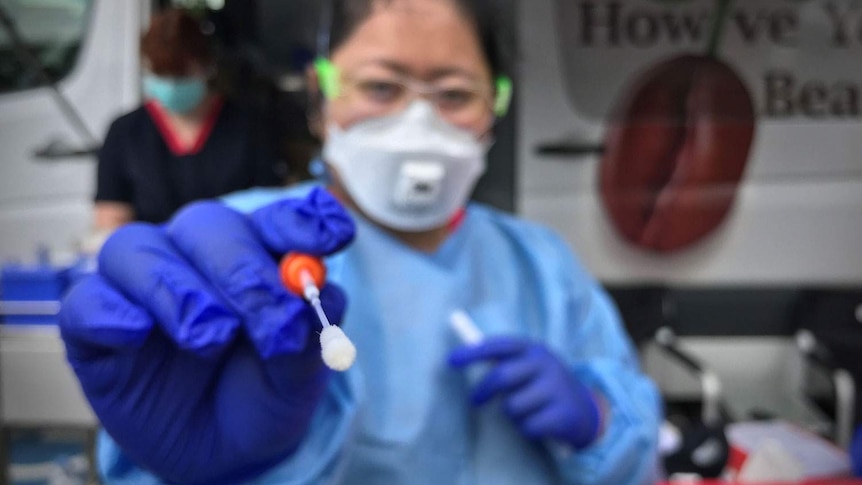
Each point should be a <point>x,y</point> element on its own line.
<point>304,275</point>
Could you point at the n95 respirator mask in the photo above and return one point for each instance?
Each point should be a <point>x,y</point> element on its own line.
<point>411,171</point>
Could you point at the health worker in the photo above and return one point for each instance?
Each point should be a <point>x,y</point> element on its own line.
<point>204,369</point>
<point>187,141</point>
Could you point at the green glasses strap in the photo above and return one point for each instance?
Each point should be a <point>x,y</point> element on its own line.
<point>327,75</point>
<point>504,96</point>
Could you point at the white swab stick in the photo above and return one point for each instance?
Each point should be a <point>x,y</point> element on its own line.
<point>337,351</point>
<point>465,328</point>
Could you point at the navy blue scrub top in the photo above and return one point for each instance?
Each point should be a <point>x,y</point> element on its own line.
<point>142,164</point>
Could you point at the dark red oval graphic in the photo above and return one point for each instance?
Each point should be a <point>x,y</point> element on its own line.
<point>675,152</point>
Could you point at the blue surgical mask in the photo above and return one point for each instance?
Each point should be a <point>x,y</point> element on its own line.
<point>177,95</point>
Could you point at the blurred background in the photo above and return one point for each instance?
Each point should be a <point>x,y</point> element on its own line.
<point>702,158</point>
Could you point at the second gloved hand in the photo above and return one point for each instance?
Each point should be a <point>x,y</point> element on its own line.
<point>197,361</point>
<point>539,393</point>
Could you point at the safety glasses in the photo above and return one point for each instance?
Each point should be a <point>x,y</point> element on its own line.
<point>376,93</point>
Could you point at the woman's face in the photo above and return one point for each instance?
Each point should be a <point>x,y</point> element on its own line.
<point>426,41</point>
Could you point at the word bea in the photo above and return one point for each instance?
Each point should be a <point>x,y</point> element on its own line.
<point>786,97</point>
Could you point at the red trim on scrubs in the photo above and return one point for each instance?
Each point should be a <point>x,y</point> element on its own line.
<point>162,122</point>
<point>456,220</point>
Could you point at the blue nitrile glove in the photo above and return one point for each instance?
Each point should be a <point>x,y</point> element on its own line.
<point>856,452</point>
<point>540,394</point>
<point>197,361</point>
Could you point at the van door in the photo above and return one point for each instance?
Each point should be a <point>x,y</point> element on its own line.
<point>770,194</point>
<point>90,48</point>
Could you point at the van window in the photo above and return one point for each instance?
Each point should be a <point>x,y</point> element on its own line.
<point>52,30</point>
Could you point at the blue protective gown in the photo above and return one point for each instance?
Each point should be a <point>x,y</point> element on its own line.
<point>401,415</point>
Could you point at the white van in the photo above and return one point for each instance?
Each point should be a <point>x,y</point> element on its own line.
<point>797,213</point>
<point>608,87</point>
<point>47,171</point>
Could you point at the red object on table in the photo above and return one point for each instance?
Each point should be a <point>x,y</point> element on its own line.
<point>827,481</point>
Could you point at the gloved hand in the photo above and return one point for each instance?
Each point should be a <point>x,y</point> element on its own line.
<point>856,452</point>
<point>539,393</point>
<point>196,360</point>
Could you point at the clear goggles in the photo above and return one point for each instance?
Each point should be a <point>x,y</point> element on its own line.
<point>375,93</point>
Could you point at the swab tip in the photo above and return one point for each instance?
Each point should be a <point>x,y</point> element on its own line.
<point>337,350</point>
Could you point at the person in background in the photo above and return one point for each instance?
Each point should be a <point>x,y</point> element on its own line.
<point>187,142</point>
<point>204,369</point>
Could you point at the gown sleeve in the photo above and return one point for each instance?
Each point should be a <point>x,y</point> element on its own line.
<point>591,339</point>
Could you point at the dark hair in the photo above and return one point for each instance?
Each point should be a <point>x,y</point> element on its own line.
<point>341,17</point>
<point>173,41</point>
